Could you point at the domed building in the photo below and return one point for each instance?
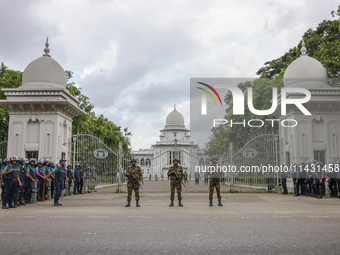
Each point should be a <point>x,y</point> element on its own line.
<point>41,112</point>
<point>174,142</point>
<point>316,136</point>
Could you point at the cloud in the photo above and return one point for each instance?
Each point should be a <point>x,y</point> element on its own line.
<point>134,59</point>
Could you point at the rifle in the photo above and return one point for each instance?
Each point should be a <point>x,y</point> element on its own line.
<point>134,178</point>
<point>178,178</point>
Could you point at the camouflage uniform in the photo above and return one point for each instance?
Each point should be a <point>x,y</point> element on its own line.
<point>131,184</point>
<point>214,182</point>
<point>174,182</point>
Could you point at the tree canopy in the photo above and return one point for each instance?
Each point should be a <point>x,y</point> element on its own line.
<point>93,124</point>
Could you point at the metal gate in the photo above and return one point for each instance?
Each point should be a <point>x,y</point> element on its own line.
<point>101,163</point>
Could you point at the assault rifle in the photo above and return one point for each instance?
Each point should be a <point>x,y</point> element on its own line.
<point>134,178</point>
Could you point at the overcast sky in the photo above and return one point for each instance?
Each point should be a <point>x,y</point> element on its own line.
<point>134,59</point>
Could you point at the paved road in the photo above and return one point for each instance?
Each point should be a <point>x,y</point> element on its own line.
<point>100,224</point>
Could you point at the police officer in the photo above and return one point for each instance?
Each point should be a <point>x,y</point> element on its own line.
<point>70,177</point>
<point>319,177</point>
<point>81,182</point>
<point>175,181</point>
<point>11,173</point>
<point>337,170</point>
<point>214,182</point>
<point>59,175</point>
<point>3,184</point>
<point>31,179</point>
<point>47,169</point>
<point>332,180</point>
<point>310,178</point>
<point>52,166</point>
<point>22,176</point>
<point>284,175</point>
<point>76,179</point>
<point>41,179</point>
<point>134,177</point>
<point>294,174</point>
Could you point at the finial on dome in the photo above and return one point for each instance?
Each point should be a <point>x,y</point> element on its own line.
<point>47,50</point>
<point>303,48</point>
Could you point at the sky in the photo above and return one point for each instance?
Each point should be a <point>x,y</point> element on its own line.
<point>134,59</point>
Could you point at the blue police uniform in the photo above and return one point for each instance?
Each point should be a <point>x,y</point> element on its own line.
<point>3,188</point>
<point>76,181</point>
<point>12,182</point>
<point>33,174</point>
<point>21,190</point>
<point>60,175</point>
<point>41,182</point>
<point>69,176</point>
<point>81,184</point>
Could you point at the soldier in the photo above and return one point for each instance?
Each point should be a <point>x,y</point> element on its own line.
<point>186,178</point>
<point>3,184</point>
<point>284,175</point>
<point>76,179</point>
<point>60,174</point>
<point>214,182</point>
<point>11,174</point>
<point>81,181</point>
<point>175,174</point>
<point>19,199</point>
<point>135,176</point>
<point>205,178</point>
<point>69,176</point>
<point>197,178</point>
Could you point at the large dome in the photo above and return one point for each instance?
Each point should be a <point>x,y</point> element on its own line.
<point>174,118</point>
<point>305,72</point>
<point>44,72</point>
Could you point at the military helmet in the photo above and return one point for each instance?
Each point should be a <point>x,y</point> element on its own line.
<point>133,160</point>
<point>175,159</point>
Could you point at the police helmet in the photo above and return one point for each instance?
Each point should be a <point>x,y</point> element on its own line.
<point>46,161</point>
<point>40,162</point>
<point>77,164</point>
<point>33,160</point>
<point>69,166</point>
<point>6,160</point>
<point>133,160</point>
<point>62,160</point>
<point>14,159</point>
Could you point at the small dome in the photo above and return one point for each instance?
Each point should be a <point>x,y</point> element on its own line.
<point>305,72</point>
<point>174,118</point>
<point>44,71</point>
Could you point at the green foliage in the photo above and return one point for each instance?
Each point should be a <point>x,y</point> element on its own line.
<point>322,43</point>
<point>99,126</point>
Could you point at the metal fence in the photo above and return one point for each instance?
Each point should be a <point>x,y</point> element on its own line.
<point>3,149</point>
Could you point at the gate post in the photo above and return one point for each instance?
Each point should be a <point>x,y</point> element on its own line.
<point>120,155</point>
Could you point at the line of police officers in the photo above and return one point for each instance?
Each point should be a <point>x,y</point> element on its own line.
<point>309,179</point>
<point>27,181</point>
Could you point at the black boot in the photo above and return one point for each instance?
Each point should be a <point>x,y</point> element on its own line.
<point>210,204</point>
<point>21,199</point>
<point>28,196</point>
<point>172,203</point>
<point>17,200</point>
<point>179,203</point>
<point>128,204</point>
<point>137,203</point>
<point>219,202</point>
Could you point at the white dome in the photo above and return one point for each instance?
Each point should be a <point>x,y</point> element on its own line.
<point>44,72</point>
<point>174,118</point>
<point>305,72</point>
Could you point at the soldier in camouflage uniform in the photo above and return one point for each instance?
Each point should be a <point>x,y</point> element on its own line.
<point>214,182</point>
<point>133,183</point>
<point>175,182</point>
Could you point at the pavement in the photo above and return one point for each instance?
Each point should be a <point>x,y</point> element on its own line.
<point>98,223</point>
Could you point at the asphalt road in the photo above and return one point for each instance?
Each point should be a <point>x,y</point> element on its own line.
<point>99,223</point>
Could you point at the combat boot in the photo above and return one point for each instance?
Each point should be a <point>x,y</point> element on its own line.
<point>12,205</point>
<point>137,203</point>
<point>210,204</point>
<point>128,204</point>
<point>16,203</point>
<point>21,199</point>
<point>5,207</point>
<point>172,203</point>
<point>219,202</point>
<point>179,203</point>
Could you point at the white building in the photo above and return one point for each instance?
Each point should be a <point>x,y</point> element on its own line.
<point>316,137</point>
<point>174,142</point>
<point>41,112</point>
